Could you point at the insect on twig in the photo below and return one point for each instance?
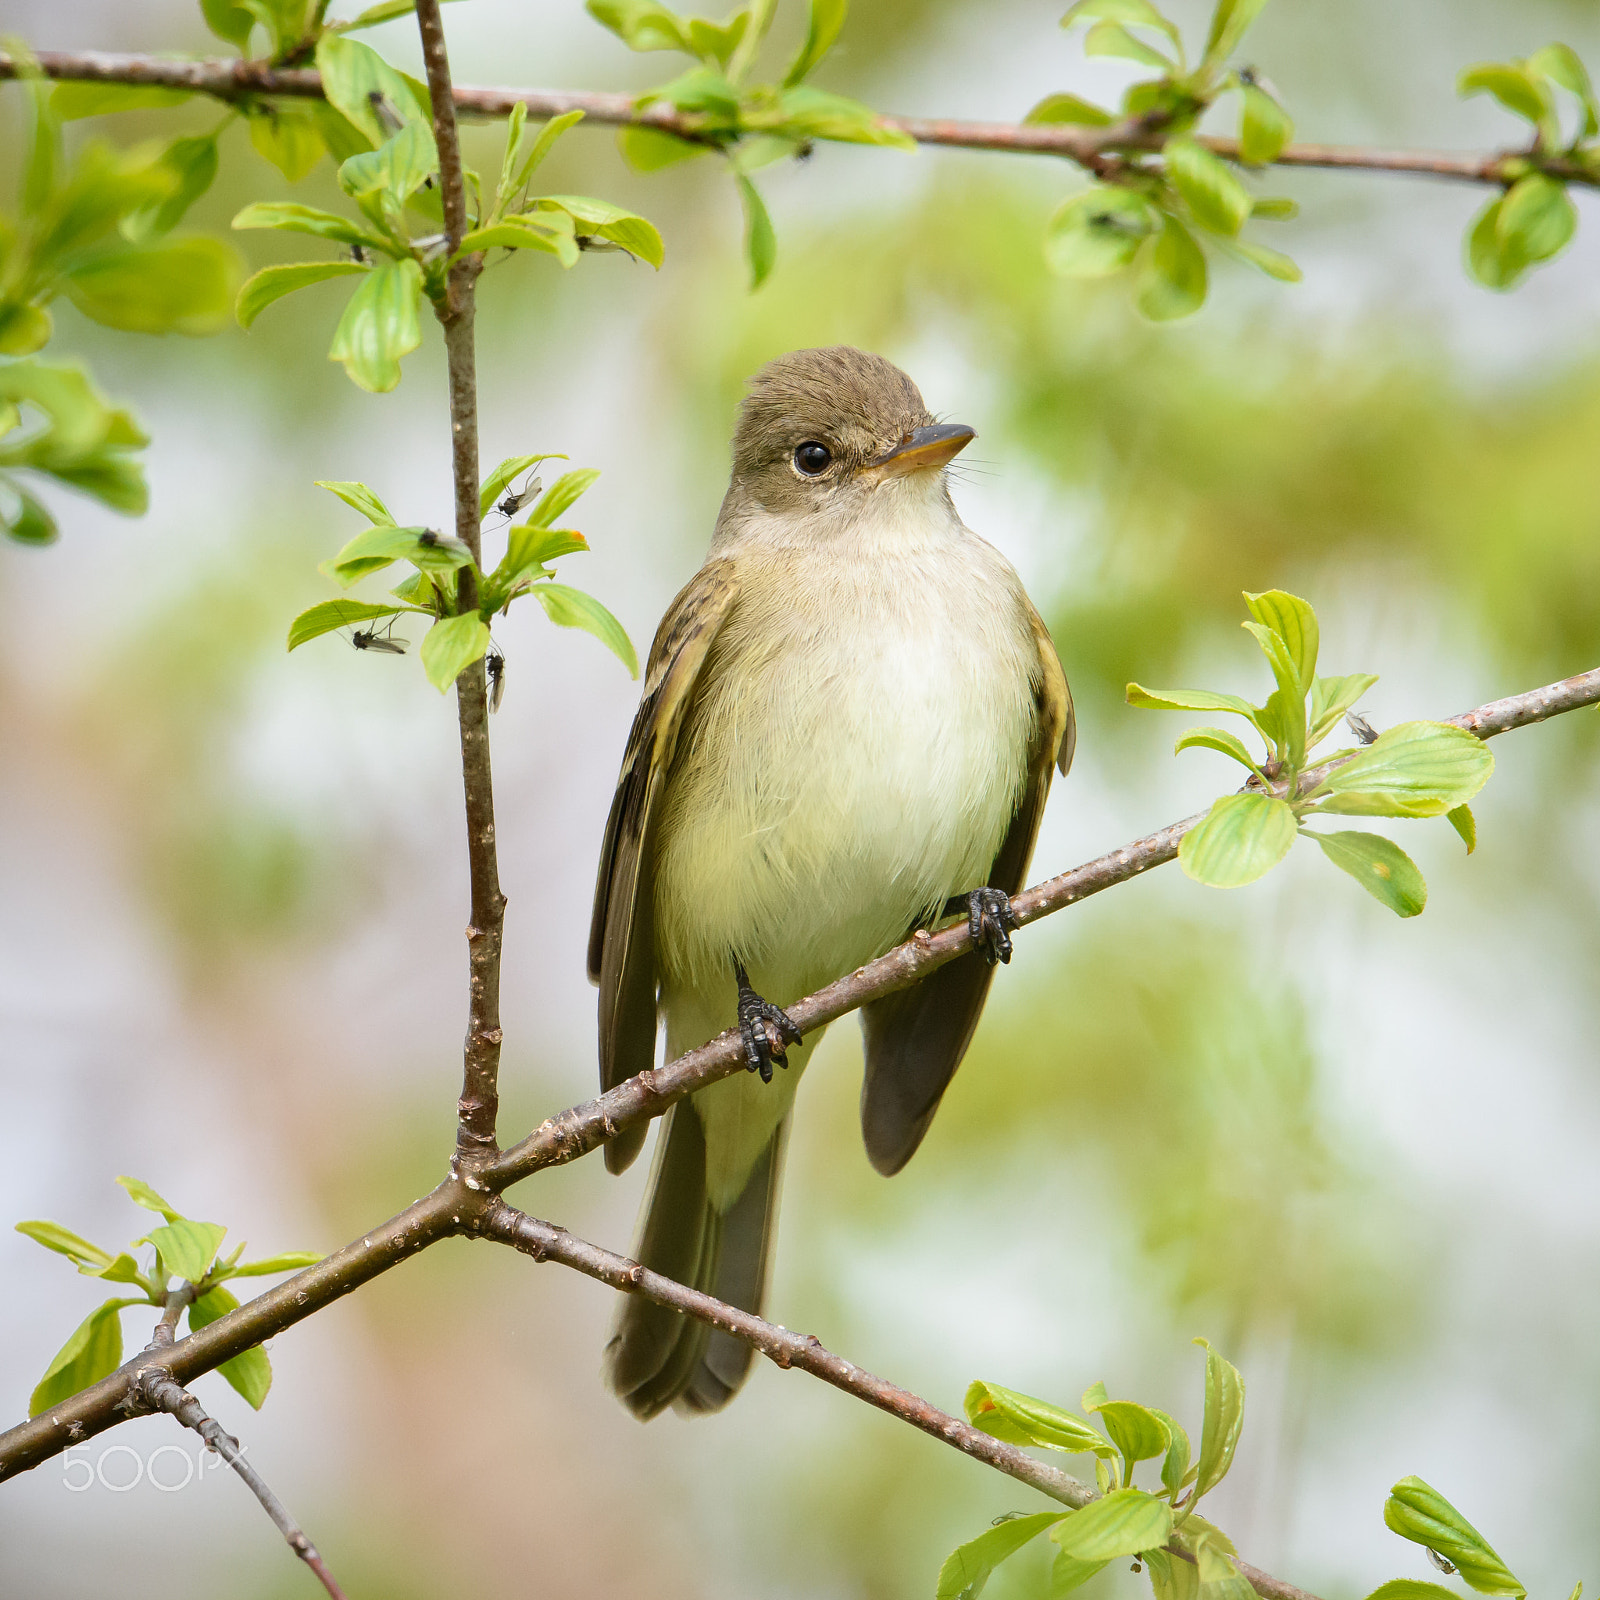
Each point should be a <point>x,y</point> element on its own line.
<point>494,663</point>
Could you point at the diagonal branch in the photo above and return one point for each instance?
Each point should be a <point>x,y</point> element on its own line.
<point>1089,147</point>
<point>461,1203</point>
<point>161,1393</point>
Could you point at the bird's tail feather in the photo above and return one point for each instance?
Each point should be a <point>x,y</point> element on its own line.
<point>658,1357</point>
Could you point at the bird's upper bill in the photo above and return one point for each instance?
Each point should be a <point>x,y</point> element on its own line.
<point>924,449</point>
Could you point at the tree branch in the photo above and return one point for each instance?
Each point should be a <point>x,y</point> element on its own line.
<point>479,1104</point>
<point>161,1393</point>
<point>461,1204</point>
<point>1089,147</point>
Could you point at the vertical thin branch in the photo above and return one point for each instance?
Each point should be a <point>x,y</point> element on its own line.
<point>480,1096</point>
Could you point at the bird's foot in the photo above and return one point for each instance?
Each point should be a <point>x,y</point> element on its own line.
<point>764,1028</point>
<point>990,920</point>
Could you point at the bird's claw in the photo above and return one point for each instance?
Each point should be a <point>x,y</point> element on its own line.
<point>990,920</point>
<point>764,1029</point>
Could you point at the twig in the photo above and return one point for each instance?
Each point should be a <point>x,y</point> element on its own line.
<point>460,1204</point>
<point>479,1105</point>
<point>244,80</point>
<point>167,1328</point>
<point>160,1392</point>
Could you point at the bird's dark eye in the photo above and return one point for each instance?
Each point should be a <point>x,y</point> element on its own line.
<point>812,458</point>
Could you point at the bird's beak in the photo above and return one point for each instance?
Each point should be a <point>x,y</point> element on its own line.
<point>925,448</point>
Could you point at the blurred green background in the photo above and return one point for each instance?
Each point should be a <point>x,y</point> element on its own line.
<point>1357,1153</point>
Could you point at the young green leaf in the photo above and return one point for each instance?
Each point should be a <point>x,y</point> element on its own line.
<point>1462,820</point>
<point>561,494</point>
<point>760,242</point>
<point>1494,263</point>
<point>1022,1419</point>
<point>379,326</point>
<point>1172,274</point>
<point>290,218</point>
<point>93,1352</point>
<point>1175,1464</point>
<point>549,231</point>
<point>1209,186</point>
<point>69,101</point>
<point>287,136</point>
<point>333,614</point>
<point>1412,1589</point>
<point>1518,90</point>
<point>511,467</point>
<point>1229,24</point>
<point>1068,1573</point>
<point>647,149</point>
<point>1112,39</point>
<point>357,81</point>
<point>229,21</point>
<point>1171,1577</point>
<point>1536,219</point>
<point>966,1569</point>
<point>1187,700</point>
<point>602,220</point>
<point>142,1194</point>
<point>1264,128</point>
<point>187,1248</point>
<point>251,1372</point>
<point>1295,623</point>
<point>183,286</point>
<point>375,548</point>
<point>1420,1513</point>
<point>1380,866</point>
<point>192,162</point>
<point>572,608</point>
<point>544,142</point>
<point>822,29</point>
<point>1416,769</point>
<point>1224,1418</point>
<point>1560,64</point>
<point>30,523</point>
<point>1122,1523</point>
<point>451,645</point>
<point>641,24</point>
<point>273,283</point>
<point>287,1261</point>
<point>1331,698</point>
<point>361,498</point>
<point>1244,837</point>
<point>1070,108</point>
<point>1098,232</point>
<point>395,170</point>
<point>1272,262</point>
<point>1136,1431</point>
<point>1230,744</point>
<point>89,1258</point>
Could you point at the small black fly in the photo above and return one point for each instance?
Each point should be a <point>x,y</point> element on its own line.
<point>383,643</point>
<point>495,665</point>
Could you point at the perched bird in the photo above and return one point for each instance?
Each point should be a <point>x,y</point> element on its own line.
<point>850,717</point>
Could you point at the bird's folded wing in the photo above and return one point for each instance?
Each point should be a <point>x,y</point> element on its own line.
<point>621,932</point>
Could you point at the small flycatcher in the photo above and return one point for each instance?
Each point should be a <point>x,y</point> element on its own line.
<point>849,724</point>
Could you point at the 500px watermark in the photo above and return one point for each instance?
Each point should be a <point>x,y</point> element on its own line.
<point>120,1468</point>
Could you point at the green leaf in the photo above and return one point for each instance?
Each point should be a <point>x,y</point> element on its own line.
<point>1112,39</point>
<point>89,1258</point>
<point>543,143</point>
<point>1021,1419</point>
<point>183,287</point>
<point>1287,708</point>
<point>1135,1430</point>
<point>1171,1577</point>
<point>1462,820</point>
<point>1417,769</point>
<point>633,233</point>
<point>69,101</point>
<point>1517,89</point>
<point>647,149</point>
<point>1187,700</point>
<point>1264,127</point>
<point>31,523</point>
<point>396,169</point>
<point>352,73</point>
<point>1135,13</point>
<point>332,615</point>
<point>93,1352</point>
<point>572,608</point>
<point>273,283</point>
<point>1122,1523</point>
<point>641,24</point>
<point>377,547</point>
<point>1175,1464</point>
<point>1411,1589</point>
<point>810,113</point>
<point>1209,186</point>
<point>451,645</point>
<point>500,478</point>
<point>1295,623</point>
<point>1069,108</point>
<point>527,551</point>
<point>24,328</point>
<point>1213,1552</point>
<point>1098,232</point>
<point>1229,24</point>
<point>1275,209</point>
<point>1536,219</point>
<point>288,137</point>
<point>1420,1513</point>
<point>187,1248</point>
<point>1272,262</point>
<point>291,218</point>
<point>822,29</point>
<point>1173,274</point>
<point>143,1195</point>
<point>966,1569</point>
<point>1560,64</point>
<point>379,326</point>
<point>287,1261</point>
<point>1244,837</point>
<point>360,498</point>
<point>1380,866</point>
<point>561,494</point>
<point>249,1373</point>
<point>1230,744</point>
<point>230,22</point>
<point>192,164</point>
<point>1068,1572</point>
<point>760,243</point>
<point>1331,698</point>
<point>1224,1418</point>
<point>554,237</point>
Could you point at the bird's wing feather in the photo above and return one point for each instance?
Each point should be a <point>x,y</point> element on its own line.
<point>622,929</point>
<point>915,1039</point>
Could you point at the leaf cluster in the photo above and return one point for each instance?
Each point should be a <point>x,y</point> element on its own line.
<point>750,124</point>
<point>1150,212</point>
<point>1187,1557</point>
<point>182,1251</point>
<point>460,634</point>
<point>1417,769</point>
<point>395,246</point>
